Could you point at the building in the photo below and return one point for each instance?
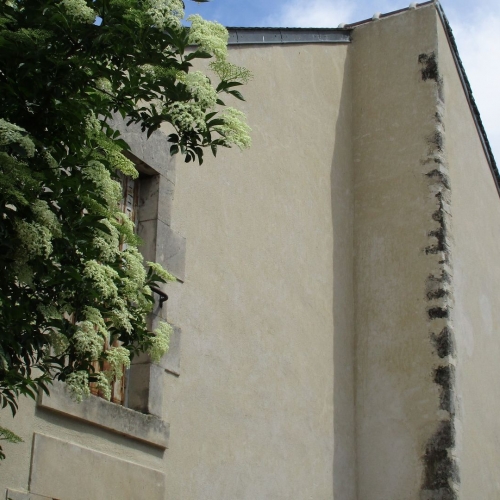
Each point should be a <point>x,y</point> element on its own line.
<point>336,298</point>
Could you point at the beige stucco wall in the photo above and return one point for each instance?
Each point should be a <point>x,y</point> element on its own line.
<point>309,359</point>
<point>266,309</point>
<point>475,218</point>
<point>394,111</point>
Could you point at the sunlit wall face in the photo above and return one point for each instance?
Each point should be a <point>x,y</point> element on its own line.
<point>476,26</point>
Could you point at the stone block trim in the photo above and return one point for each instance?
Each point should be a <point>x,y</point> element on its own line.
<point>146,388</point>
<point>67,471</point>
<point>149,429</point>
<point>161,243</point>
<point>441,478</point>
<point>20,495</point>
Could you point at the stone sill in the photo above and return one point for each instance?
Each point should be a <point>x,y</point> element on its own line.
<point>20,495</point>
<point>115,418</point>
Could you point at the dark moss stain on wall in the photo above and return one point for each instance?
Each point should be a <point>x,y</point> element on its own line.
<point>440,466</point>
<point>441,473</point>
<point>429,66</point>
<point>444,342</point>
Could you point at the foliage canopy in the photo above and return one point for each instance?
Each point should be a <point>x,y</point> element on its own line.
<point>72,276</point>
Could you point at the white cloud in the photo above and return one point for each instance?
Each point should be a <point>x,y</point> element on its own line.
<point>478,43</point>
<point>312,14</point>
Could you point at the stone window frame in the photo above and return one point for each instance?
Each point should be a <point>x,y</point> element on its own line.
<point>142,418</point>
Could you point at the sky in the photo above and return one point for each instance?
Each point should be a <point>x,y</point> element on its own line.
<point>475,23</point>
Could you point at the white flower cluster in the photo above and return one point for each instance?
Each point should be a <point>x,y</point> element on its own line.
<point>79,11</point>
<point>78,385</point>
<point>228,71</point>
<point>161,272</point>
<point>107,243</point>
<point>103,277</point>
<point>104,84</point>
<point>92,123</point>
<point>187,115</point>
<point>235,130</point>
<point>100,176</point>
<point>165,13</point>
<point>12,134</point>
<point>46,217</point>
<point>133,267</point>
<point>160,342</point>
<point>103,383</point>
<point>36,240</point>
<point>88,341</point>
<point>121,316</point>
<point>126,227</point>
<point>210,36</point>
<point>119,162</point>
<point>199,86</point>
<point>95,317</point>
<point>118,357</point>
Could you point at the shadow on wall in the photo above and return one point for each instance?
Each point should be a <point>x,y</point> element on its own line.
<point>344,455</point>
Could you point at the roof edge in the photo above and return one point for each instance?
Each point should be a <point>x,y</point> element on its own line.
<point>260,36</point>
<point>470,97</point>
<point>389,14</point>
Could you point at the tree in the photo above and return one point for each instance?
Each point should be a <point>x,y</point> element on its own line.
<point>65,67</point>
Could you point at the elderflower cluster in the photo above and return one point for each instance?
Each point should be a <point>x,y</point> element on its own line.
<point>210,36</point>
<point>95,317</point>
<point>235,129</point>
<point>78,385</point>
<point>96,172</point>
<point>132,265</point>
<point>228,71</point>
<point>12,134</point>
<point>104,84</point>
<point>35,239</point>
<point>160,342</point>
<point>103,278</point>
<point>88,341</point>
<point>120,162</point>
<point>187,115</point>
<point>103,383</point>
<point>118,357</point>
<point>161,272</point>
<point>79,11</point>
<point>199,86</point>
<point>121,316</point>
<point>107,243</point>
<point>165,13</point>
<point>46,217</point>
<point>126,227</point>
<point>135,274</point>
<point>92,123</point>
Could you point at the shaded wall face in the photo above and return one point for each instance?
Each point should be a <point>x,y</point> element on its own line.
<point>475,218</point>
<point>252,414</point>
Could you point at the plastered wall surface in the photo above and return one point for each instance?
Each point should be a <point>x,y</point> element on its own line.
<point>328,273</point>
<point>394,111</point>
<point>252,415</point>
<point>475,246</point>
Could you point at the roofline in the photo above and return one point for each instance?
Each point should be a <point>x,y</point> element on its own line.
<point>263,36</point>
<point>389,14</point>
<point>470,97</point>
<point>266,36</point>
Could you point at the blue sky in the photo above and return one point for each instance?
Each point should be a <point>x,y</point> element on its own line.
<point>476,24</point>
